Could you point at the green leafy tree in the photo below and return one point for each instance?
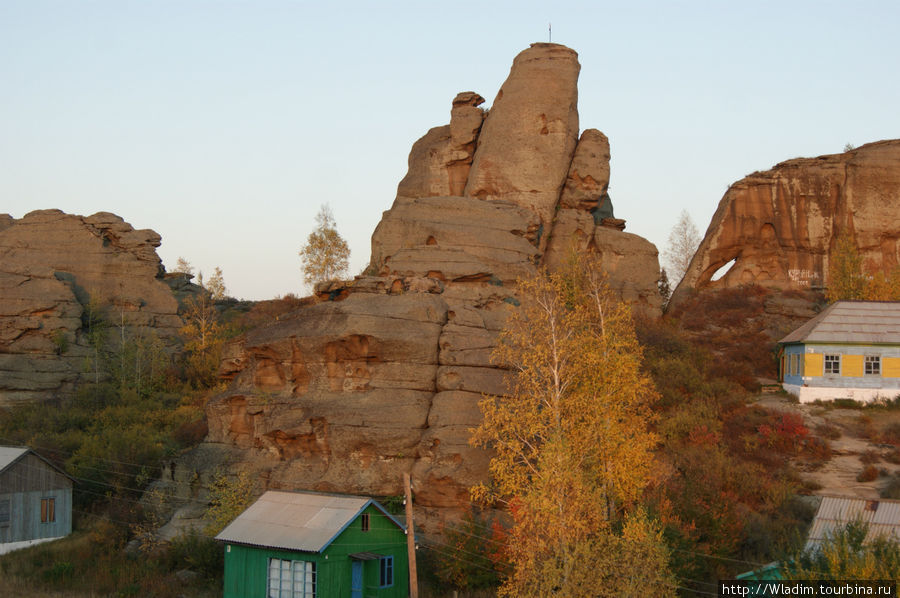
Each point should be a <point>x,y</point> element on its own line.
<point>571,440</point>
<point>325,255</point>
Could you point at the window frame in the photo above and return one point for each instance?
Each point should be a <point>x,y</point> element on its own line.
<point>365,522</point>
<point>5,509</point>
<point>386,571</point>
<point>875,362</point>
<point>48,509</point>
<point>306,568</point>
<point>834,360</point>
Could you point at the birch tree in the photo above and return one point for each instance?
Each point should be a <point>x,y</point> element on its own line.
<point>571,440</point>
<point>683,242</point>
<point>325,255</point>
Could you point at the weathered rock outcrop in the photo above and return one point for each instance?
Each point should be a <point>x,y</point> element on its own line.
<point>779,226</point>
<point>385,373</point>
<point>52,266</point>
<point>529,138</point>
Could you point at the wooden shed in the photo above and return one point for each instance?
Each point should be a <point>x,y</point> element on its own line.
<point>35,499</point>
<point>310,545</point>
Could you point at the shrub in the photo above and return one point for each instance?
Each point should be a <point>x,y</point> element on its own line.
<point>868,474</point>
<point>869,457</point>
<point>828,431</point>
<point>892,489</point>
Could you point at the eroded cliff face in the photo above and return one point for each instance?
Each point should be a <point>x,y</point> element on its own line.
<point>780,226</point>
<point>53,266</point>
<point>384,374</point>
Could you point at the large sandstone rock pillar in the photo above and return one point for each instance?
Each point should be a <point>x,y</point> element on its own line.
<point>528,139</point>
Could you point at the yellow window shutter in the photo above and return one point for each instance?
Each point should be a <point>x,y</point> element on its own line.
<point>852,366</point>
<point>890,367</point>
<point>813,364</point>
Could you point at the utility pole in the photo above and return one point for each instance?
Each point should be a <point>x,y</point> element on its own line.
<point>410,540</point>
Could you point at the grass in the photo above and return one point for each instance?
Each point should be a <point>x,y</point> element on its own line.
<point>94,562</point>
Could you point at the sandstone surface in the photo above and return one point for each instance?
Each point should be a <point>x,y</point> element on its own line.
<point>52,266</point>
<point>528,139</point>
<point>384,374</point>
<point>779,227</point>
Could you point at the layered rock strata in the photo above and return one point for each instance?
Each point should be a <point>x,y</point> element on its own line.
<point>778,228</point>
<point>385,373</point>
<point>54,267</point>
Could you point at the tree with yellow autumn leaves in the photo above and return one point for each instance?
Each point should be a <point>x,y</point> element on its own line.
<point>571,441</point>
<point>848,281</point>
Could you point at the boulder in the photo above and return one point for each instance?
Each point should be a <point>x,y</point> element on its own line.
<point>439,162</point>
<point>588,177</point>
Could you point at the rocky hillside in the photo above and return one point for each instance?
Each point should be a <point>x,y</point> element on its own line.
<point>384,374</point>
<point>56,272</point>
<point>777,228</point>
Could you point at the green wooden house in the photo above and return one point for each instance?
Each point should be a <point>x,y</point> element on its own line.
<point>310,545</point>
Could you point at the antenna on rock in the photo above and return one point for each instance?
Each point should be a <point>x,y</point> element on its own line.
<point>550,32</point>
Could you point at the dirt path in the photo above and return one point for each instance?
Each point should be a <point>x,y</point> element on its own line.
<point>850,433</point>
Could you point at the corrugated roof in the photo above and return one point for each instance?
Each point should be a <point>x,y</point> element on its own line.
<point>865,322</point>
<point>882,516</point>
<point>296,520</point>
<point>11,454</point>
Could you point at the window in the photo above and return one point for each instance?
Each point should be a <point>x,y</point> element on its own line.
<point>873,365</point>
<point>795,365</point>
<point>5,511</point>
<point>387,571</point>
<point>48,510</point>
<point>832,364</point>
<point>291,579</point>
<point>364,522</point>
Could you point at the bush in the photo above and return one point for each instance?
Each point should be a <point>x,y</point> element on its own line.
<point>828,431</point>
<point>869,457</point>
<point>868,474</point>
<point>198,553</point>
<point>892,489</point>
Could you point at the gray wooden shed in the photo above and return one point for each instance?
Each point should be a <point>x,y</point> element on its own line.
<point>35,499</point>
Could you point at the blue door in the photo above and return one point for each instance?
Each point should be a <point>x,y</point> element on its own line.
<point>356,579</point>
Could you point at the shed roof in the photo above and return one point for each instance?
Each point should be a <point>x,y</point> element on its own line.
<point>304,521</point>
<point>882,517</point>
<point>11,454</point>
<point>864,322</point>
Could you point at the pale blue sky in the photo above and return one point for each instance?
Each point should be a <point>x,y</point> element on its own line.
<point>224,125</point>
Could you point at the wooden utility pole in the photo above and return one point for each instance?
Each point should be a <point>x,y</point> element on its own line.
<point>410,540</point>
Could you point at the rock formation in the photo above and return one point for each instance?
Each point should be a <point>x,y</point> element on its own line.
<point>385,373</point>
<point>778,227</point>
<point>52,266</point>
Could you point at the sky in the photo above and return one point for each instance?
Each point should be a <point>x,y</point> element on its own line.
<point>225,125</point>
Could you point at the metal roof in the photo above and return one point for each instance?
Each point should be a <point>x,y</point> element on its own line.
<point>882,516</point>
<point>303,521</point>
<point>11,454</point>
<point>864,322</point>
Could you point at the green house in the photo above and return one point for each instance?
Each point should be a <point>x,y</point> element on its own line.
<point>310,545</point>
